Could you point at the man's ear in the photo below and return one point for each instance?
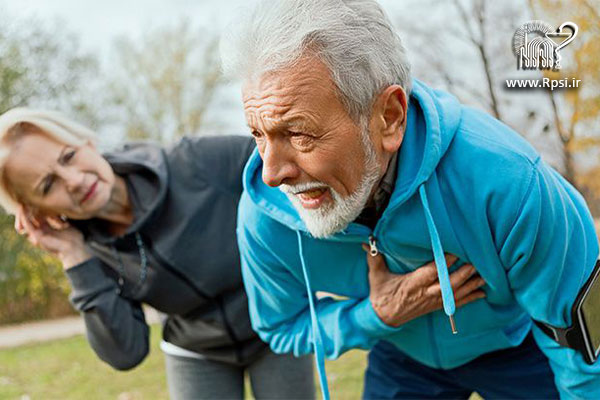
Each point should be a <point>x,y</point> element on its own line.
<point>390,111</point>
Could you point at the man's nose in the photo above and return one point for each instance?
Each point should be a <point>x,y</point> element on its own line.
<point>72,177</point>
<point>278,164</point>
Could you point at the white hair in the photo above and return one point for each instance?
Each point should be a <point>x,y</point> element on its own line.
<point>353,38</point>
<point>19,121</point>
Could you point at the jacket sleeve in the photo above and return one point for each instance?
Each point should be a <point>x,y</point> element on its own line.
<point>279,307</point>
<point>220,160</point>
<point>549,251</point>
<point>116,327</point>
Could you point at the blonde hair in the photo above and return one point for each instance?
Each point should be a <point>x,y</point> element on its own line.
<point>19,121</point>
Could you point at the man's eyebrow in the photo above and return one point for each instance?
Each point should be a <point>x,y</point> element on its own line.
<point>284,122</point>
<point>298,120</point>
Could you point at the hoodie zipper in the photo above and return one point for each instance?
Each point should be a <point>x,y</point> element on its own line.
<point>374,251</point>
<point>373,246</point>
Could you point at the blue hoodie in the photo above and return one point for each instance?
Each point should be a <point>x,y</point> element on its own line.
<point>467,185</point>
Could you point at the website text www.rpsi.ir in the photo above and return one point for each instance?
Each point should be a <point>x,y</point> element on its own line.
<point>565,83</point>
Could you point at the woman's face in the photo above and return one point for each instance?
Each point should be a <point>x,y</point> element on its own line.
<point>57,179</point>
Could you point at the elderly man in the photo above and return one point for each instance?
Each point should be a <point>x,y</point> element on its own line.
<point>352,151</point>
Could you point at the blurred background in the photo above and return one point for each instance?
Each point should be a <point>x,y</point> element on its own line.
<point>150,70</point>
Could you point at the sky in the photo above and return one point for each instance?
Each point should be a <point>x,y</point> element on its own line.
<point>98,23</point>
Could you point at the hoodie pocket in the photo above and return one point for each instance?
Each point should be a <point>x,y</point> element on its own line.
<point>480,331</point>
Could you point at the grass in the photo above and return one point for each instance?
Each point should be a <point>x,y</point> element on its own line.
<point>69,369</point>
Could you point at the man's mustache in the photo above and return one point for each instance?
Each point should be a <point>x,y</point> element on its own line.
<point>302,187</point>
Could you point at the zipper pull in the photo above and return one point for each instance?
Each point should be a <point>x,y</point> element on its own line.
<point>373,245</point>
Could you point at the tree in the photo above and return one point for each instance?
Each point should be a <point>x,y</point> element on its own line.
<point>465,46</point>
<point>576,112</point>
<point>40,67</point>
<point>43,67</point>
<point>166,82</point>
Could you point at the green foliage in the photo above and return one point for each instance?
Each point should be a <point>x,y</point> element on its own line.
<point>32,283</point>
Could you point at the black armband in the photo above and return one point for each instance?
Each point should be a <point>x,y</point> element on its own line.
<point>584,333</point>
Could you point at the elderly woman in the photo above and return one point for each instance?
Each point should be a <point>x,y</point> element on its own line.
<point>147,225</point>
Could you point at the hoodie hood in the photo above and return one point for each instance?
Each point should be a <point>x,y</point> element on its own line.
<point>144,168</point>
<point>433,118</point>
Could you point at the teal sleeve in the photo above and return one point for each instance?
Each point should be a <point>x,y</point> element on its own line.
<point>549,251</point>
<point>279,307</point>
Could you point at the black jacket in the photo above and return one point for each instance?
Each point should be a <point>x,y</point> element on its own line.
<point>185,205</point>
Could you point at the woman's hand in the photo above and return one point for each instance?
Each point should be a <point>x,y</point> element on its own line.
<point>399,298</point>
<point>53,235</point>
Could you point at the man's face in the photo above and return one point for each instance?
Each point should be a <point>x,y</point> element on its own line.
<point>311,149</point>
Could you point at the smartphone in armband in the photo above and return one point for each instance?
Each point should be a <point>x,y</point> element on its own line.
<point>588,315</point>
<point>584,333</point>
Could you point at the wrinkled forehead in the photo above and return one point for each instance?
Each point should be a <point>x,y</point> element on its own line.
<point>269,97</point>
<point>284,86</point>
<point>301,92</point>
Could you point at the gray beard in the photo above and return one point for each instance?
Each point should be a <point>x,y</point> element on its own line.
<point>331,218</point>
